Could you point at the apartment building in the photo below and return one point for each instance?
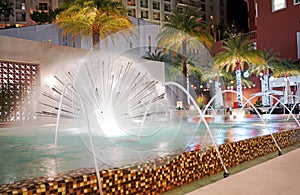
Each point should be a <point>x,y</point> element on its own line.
<point>22,10</point>
<point>155,11</point>
<point>150,10</point>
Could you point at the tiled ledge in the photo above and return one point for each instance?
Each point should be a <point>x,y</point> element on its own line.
<point>156,176</point>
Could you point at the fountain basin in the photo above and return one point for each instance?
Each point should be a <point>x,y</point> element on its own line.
<point>159,174</point>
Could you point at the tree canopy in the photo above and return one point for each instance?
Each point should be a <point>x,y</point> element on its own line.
<point>238,52</point>
<point>6,9</point>
<point>96,18</point>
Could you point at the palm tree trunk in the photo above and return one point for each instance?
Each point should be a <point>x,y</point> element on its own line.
<point>96,39</point>
<point>239,84</point>
<point>184,73</point>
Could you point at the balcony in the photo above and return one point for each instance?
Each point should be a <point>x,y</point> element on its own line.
<point>250,35</point>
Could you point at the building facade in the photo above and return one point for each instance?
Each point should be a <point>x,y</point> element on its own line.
<point>275,24</point>
<point>278,26</point>
<point>155,11</point>
<point>22,10</point>
<point>150,10</point>
<point>251,14</point>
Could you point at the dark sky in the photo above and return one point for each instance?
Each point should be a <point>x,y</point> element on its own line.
<point>237,12</point>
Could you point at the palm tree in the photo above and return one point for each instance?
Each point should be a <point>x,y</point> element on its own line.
<point>6,9</point>
<point>173,64</point>
<point>212,74</point>
<point>160,56</point>
<point>272,61</point>
<point>286,67</point>
<point>96,18</point>
<point>183,30</point>
<point>238,53</point>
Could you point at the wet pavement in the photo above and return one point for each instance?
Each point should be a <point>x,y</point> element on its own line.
<point>278,176</point>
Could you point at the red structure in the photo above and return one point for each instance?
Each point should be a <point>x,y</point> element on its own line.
<point>251,8</point>
<point>273,25</point>
<point>278,26</point>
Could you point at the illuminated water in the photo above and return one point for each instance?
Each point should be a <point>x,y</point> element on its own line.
<point>30,152</point>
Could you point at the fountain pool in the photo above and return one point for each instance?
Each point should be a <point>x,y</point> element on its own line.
<point>29,152</point>
<point>112,112</point>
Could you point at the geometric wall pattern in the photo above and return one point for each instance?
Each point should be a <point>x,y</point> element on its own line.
<point>18,82</point>
<point>157,176</point>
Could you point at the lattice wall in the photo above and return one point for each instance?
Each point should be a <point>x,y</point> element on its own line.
<point>18,82</point>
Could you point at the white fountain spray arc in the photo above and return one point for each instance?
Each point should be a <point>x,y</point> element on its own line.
<point>112,97</point>
<point>121,97</point>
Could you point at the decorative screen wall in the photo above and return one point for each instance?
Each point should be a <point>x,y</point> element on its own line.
<point>18,82</point>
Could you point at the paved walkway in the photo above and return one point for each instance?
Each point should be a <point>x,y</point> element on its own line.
<point>278,176</point>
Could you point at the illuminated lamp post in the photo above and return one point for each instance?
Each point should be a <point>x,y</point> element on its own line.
<point>264,77</point>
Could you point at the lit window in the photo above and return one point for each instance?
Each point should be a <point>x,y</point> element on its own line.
<point>156,16</point>
<point>20,4</point>
<point>278,5</point>
<point>131,2</point>
<point>296,2</point>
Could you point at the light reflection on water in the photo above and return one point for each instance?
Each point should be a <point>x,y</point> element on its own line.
<point>30,152</point>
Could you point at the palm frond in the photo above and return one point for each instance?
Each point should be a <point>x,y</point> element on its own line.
<point>238,51</point>
<point>86,18</point>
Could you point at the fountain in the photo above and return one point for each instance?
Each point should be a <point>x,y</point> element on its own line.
<point>114,97</point>
<point>109,111</point>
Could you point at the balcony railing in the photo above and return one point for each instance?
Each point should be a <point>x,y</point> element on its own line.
<point>250,35</point>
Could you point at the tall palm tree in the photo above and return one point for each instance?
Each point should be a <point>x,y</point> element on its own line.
<point>238,53</point>
<point>212,74</point>
<point>6,9</point>
<point>272,61</point>
<point>99,18</point>
<point>287,67</point>
<point>183,30</point>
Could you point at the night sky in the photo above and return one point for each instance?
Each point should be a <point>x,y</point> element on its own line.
<point>237,13</point>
